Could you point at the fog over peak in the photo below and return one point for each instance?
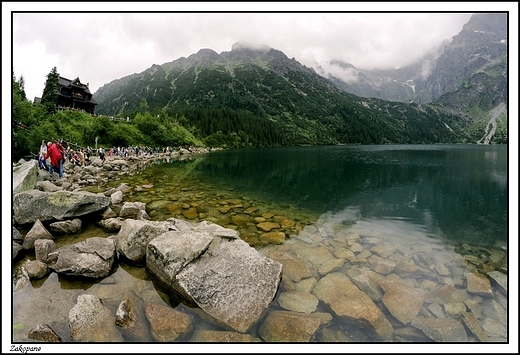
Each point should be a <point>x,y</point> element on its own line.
<point>102,47</point>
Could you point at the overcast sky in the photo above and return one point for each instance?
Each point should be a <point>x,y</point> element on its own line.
<point>101,47</point>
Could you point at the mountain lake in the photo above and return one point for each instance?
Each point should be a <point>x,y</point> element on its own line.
<point>443,208</point>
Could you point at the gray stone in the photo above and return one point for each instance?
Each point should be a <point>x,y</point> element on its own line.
<point>283,326</point>
<point>94,257</point>
<point>25,176</point>
<point>134,236</point>
<point>301,302</point>
<point>293,268</point>
<point>367,281</point>
<point>42,248</point>
<point>499,279</point>
<point>47,186</point>
<point>218,336</point>
<point>42,332</point>
<point>131,318</point>
<point>17,236</point>
<point>116,197</point>
<point>111,224</point>
<point>346,300</point>
<point>402,301</point>
<point>441,329</point>
<point>91,321</point>
<point>16,249</point>
<point>38,231</point>
<point>479,284</point>
<point>33,205</point>
<point>232,282</point>
<point>70,226</point>
<point>130,209</point>
<point>36,269</point>
<point>166,323</point>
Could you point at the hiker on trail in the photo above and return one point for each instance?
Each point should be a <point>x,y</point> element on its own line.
<point>41,161</point>
<point>56,156</point>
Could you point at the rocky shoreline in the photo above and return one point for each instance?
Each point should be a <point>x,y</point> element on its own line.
<point>392,289</point>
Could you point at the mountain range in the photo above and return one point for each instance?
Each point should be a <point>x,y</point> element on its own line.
<point>455,94</point>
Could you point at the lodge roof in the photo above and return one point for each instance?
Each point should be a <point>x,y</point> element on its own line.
<point>76,82</point>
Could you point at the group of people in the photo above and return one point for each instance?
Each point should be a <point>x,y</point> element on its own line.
<point>57,154</point>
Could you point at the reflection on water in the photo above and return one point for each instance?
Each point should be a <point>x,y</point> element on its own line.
<point>424,216</point>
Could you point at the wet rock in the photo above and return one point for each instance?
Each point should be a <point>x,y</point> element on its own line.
<point>70,226</point>
<point>267,226</point>
<point>381,265</point>
<point>116,197</point>
<point>479,285</point>
<point>91,321</point>
<point>94,257</point>
<point>301,302</point>
<point>111,224</point>
<point>283,326</point>
<point>305,285</point>
<point>474,326</point>
<point>491,309</point>
<point>36,269</point>
<point>42,332</point>
<point>47,186</point>
<point>25,176</point>
<point>441,329</point>
<point>42,248</point>
<point>142,216</point>
<point>407,269</point>
<point>33,205</point>
<point>347,301</point>
<point>437,310</point>
<point>108,213</point>
<point>134,236</point>
<point>367,281</point>
<point>171,251</point>
<point>383,251</point>
<point>38,231</point>
<point>499,279</point>
<point>16,249</point>
<point>446,294</point>
<point>330,266</point>
<point>402,301</point>
<point>313,254</point>
<point>293,268</point>
<point>494,328</point>
<point>130,209</point>
<point>190,213</point>
<point>130,316</point>
<point>232,282</point>
<point>455,310</point>
<point>166,323</point>
<point>343,253</point>
<point>216,336</point>
<point>273,237</point>
<point>17,236</point>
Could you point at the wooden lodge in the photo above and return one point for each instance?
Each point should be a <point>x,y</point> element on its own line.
<point>73,94</point>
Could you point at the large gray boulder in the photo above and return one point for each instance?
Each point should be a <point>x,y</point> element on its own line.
<point>134,236</point>
<point>210,266</point>
<point>93,258</point>
<point>25,176</point>
<point>33,205</point>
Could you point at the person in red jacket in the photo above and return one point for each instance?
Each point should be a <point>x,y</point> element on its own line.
<point>56,158</point>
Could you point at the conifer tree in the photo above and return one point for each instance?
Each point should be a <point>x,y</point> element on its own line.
<point>51,90</point>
